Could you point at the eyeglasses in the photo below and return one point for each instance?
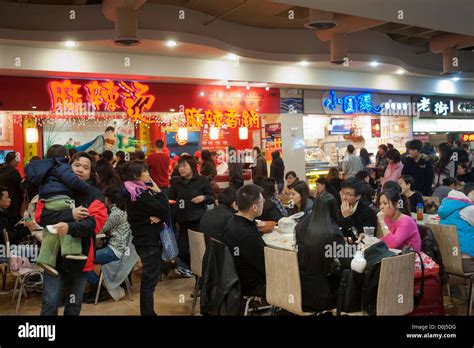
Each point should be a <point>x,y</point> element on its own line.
<point>347,194</point>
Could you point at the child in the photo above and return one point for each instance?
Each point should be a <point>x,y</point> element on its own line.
<point>57,182</point>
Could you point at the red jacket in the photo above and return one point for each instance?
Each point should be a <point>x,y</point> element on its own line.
<point>158,164</point>
<point>85,229</point>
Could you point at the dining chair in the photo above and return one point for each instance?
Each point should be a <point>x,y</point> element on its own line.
<point>448,241</point>
<point>283,284</point>
<point>197,248</point>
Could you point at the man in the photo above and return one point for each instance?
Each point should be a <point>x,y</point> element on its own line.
<point>158,164</point>
<point>442,191</point>
<point>462,156</point>
<point>11,178</point>
<point>381,160</point>
<point>214,222</point>
<point>108,156</point>
<point>259,168</point>
<point>356,214</point>
<point>419,167</point>
<point>15,233</point>
<point>236,176</point>
<point>464,175</point>
<point>245,241</point>
<point>352,163</point>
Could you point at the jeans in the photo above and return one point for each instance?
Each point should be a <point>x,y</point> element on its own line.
<point>53,291</point>
<point>102,257</point>
<point>151,261</point>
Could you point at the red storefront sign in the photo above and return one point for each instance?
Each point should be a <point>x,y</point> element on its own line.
<point>467,137</point>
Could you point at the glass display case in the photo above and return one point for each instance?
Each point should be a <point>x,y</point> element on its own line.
<point>317,164</point>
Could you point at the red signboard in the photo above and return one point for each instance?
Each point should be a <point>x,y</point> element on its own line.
<point>467,137</point>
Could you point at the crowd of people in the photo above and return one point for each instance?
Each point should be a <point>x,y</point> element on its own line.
<point>133,197</point>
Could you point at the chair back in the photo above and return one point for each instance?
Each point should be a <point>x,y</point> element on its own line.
<point>396,281</point>
<point>448,241</point>
<point>197,248</point>
<point>282,273</point>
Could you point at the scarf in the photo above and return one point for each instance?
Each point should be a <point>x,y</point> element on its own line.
<point>279,206</point>
<point>135,189</point>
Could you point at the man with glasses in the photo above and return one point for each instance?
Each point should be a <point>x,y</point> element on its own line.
<point>245,241</point>
<point>356,214</point>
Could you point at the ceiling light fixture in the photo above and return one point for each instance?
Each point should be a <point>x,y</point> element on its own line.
<point>455,79</point>
<point>70,44</point>
<point>400,71</point>
<point>374,64</point>
<point>304,63</point>
<point>202,94</point>
<point>171,43</point>
<point>232,57</point>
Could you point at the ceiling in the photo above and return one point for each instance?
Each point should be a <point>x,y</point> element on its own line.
<point>259,31</point>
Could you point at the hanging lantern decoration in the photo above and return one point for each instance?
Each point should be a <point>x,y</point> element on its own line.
<point>32,135</point>
<point>243,133</point>
<point>214,133</point>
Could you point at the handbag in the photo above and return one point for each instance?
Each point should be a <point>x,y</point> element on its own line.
<point>168,242</point>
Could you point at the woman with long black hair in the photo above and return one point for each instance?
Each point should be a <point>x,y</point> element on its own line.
<point>147,211</point>
<point>445,167</point>
<point>317,238</point>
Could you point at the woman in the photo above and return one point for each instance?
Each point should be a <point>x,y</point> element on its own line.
<point>118,231</point>
<point>323,185</point>
<point>291,178</point>
<point>334,178</point>
<point>364,157</point>
<point>273,209</point>
<point>277,170</point>
<point>399,230</point>
<point>106,175</point>
<point>407,183</point>
<point>445,167</point>
<point>83,222</point>
<point>394,168</point>
<point>208,167</point>
<point>313,236</point>
<point>192,193</point>
<point>147,210</point>
<point>367,190</point>
<point>300,199</point>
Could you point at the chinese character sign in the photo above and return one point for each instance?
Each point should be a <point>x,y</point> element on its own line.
<point>133,97</point>
<point>229,119</point>
<point>467,137</point>
<point>352,104</point>
<point>435,106</point>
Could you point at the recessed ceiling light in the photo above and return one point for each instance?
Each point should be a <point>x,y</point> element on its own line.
<point>70,44</point>
<point>33,107</point>
<point>374,64</point>
<point>232,57</point>
<point>304,63</point>
<point>171,43</point>
<point>202,94</point>
<point>400,71</point>
<point>455,79</point>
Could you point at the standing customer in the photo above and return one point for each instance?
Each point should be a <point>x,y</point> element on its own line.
<point>11,178</point>
<point>260,169</point>
<point>159,163</point>
<point>277,170</point>
<point>352,163</point>
<point>419,167</point>
<point>72,273</point>
<point>147,211</point>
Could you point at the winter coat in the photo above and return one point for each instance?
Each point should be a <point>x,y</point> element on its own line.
<point>422,172</point>
<point>55,177</point>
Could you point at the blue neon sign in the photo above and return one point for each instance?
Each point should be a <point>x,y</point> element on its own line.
<point>351,104</point>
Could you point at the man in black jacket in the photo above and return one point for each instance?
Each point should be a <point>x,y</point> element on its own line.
<point>419,167</point>
<point>260,168</point>
<point>214,222</point>
<point>356,214</point>
<point>11,178</point>
<point>15,233</point>
<point>245,241</point>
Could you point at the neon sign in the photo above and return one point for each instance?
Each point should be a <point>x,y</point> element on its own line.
<point>467,137</point>
<point>229,119</point>
<point>101,96</point>
<point>352,104</point>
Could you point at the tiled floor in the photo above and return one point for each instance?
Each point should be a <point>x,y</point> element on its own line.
<point>172,297</point>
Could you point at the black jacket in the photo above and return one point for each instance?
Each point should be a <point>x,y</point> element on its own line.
<point>336,184</point>
<point>414,199</point>
<point>270,212</point>
<point>246,244</point>
<point>214,222</point>
<point>422,172</point>
<point>468,177</point>
<point>362,217</point>
<point>11,178</point>
<point>183,192</point>
<point>55,177</point>
<point>236,176</point>
<point>277,170</point>
<point>15,234</point>
<point>430,247</point>
<point>260,169</point>
<point>139,212</point>
<point>220,294</point>
<point>208,168</point>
